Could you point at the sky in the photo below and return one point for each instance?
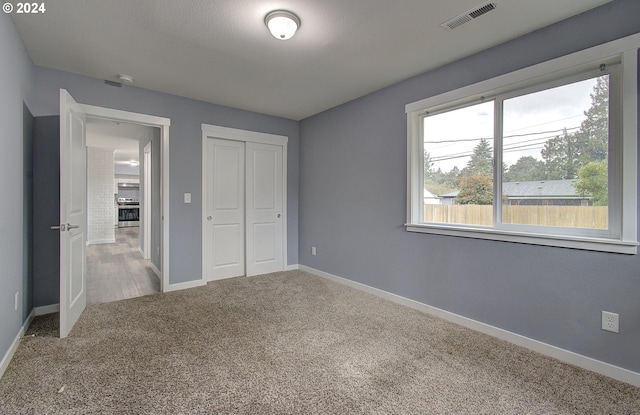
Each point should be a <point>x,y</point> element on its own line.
<point>529,120</point>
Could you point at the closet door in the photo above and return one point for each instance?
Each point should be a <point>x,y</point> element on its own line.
<point>225,209</point>
<point>264,208</point>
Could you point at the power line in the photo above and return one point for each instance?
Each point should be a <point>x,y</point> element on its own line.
<point>548,122</point>
<point>542,132</point>
<point>533,144</point>
<point>459,140</point>
<point>469,154</point>
<point>506,136</point>
<point>530,147</point>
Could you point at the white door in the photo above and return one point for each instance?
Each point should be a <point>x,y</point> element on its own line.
<point>224,211</point>
<point>264,208</point>
<point>73,214</point>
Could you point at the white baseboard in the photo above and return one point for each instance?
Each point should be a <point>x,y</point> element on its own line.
<point>4,364</point>
<point>155,270</point>
<point>292,267</point>
<point>46,309</point>
<point>185,285</point>
<point>142,253</point>
<point>603,368</point>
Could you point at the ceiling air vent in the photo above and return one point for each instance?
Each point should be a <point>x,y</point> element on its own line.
<point>112,83</point>
<point>469,16</point>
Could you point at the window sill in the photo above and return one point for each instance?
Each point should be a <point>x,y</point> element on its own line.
<point>589,244</point>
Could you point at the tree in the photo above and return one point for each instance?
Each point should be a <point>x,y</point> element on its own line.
<point>481,160</point>
<point>593,182</point>
<point>565,154</point>
<point>475,190</point>
<point>560,157</point>
<point>450,178</point>
<point>593,137</point>
<point>526,169</point>
<point>428,167</point>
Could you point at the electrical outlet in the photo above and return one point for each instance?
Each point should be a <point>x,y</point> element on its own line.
<point>16,300</point>
<point>610,322</point>
<point>313,250</point>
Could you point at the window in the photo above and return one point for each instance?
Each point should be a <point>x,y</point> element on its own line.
<point>545,155</point>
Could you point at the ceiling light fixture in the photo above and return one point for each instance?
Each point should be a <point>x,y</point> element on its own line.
<point>125,79</point>
<point>282,24</point>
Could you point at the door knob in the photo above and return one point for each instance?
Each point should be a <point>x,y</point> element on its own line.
<point>209,218</point>
<point>70,226</point>
<point>278,215</point>
<point>60,228</point>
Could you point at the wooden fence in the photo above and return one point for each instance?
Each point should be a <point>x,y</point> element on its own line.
<point>592,217</point>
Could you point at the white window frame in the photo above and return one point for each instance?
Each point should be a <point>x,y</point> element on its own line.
<point>623,217</point>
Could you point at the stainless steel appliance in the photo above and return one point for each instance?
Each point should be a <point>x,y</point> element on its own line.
<point>128,212</point>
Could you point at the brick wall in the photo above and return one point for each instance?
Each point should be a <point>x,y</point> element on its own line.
<point>100,196</point>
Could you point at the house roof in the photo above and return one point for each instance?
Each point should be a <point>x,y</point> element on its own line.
<point>534,190</point>
<point>428,194</point>
<point>451,194</point>
<point>540,189</point>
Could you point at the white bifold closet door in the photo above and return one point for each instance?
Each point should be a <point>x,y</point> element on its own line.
<point>244,225</point>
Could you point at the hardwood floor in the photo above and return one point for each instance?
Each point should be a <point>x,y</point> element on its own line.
<point>117,271</point>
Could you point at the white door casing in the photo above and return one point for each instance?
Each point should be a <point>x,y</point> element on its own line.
<point>73,212</point>
<point>264,208</point>
<point>146,200</point>
<point>164,125</point>
<point>267,154</point>
<point>224,209</point>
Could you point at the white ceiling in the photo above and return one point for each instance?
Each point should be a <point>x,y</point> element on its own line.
<point>220,51</point>
<point>122,137</point>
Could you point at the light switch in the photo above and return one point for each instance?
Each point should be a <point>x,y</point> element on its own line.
<point>187,198</point>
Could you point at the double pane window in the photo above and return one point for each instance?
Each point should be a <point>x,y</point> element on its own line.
<point>553,145</point>
<point>543,155</point>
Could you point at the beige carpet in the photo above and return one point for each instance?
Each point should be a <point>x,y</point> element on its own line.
<point>288,343</point>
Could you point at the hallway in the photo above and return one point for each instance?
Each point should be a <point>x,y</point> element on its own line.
<point>117,271</point>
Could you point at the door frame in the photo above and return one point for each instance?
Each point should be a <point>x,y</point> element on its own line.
<point>234,134</point>
<point>151,121</point>
<point>146,197</point>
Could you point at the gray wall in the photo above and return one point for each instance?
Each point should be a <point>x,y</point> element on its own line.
<point>46,196</point>
<point>353,207</point>
<point>185,153</point>
<point>17,75</point>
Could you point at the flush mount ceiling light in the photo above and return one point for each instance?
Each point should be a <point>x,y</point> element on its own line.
<point>282,24</point>
<point>125,79</point>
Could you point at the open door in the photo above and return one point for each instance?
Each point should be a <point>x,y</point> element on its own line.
<point>73,212</point>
